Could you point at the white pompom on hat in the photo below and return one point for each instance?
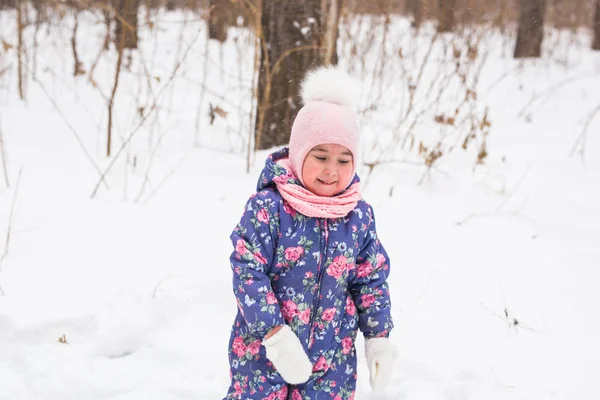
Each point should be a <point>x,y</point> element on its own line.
<point>330,98</point>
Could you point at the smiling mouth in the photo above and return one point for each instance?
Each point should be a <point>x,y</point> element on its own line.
<point>326,182</point>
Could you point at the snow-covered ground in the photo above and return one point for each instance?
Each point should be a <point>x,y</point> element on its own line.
<point>494,269</point>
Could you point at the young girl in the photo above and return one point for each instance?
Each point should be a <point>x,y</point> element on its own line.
<point>308,267</point>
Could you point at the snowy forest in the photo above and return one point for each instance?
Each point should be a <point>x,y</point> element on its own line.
<point>132,133</point>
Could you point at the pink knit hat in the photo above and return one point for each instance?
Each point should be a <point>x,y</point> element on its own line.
<point>329,115</point>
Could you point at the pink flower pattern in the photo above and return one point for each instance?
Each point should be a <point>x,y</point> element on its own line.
<point>294,253</point>
<point>262,216</point>
<point>239,348</point>
<point>338,267</point>
<point>364,269</point>
<point>347,344</point>
<point>240,247</point>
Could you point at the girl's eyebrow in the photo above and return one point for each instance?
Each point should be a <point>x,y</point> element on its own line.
<point>344,153</point>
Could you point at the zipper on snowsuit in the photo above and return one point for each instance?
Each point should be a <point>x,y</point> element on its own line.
<point>320,268</point>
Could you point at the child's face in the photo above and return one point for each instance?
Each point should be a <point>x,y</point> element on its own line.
<point>327,169</point>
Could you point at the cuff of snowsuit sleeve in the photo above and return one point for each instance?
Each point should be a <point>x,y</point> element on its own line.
<point>376,324</point>
<point>372,335</point>
<point>261,328</point>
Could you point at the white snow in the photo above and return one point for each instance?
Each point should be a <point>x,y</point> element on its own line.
<point>494,269</point>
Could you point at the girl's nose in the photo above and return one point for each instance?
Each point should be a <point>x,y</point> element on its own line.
<point>330,170</point>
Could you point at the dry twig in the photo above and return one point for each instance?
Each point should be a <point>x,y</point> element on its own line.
<point>146,116</point>
<point>10,221</point>
<point>3,158</point>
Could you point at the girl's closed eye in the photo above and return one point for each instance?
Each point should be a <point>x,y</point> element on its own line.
<point>344,161</point>
<point>321,158</point>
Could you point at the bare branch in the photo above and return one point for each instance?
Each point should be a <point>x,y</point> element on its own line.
<point>79,141</point>
<point>202,92</point>
<point>111,100</point>
<point>10,220</point>
<point>581,139</point>
<point>516,213</point>
<point>20,49</point>
<point>146,116</point>
<point>549,91</point>
<point>164,179</point>
<point>3,158</point>
<point>160,283</point>
<point>514,190</point>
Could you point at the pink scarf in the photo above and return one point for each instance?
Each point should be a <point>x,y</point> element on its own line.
<point>307,203</point>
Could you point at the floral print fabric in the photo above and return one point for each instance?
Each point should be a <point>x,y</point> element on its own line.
<point>325,278</point>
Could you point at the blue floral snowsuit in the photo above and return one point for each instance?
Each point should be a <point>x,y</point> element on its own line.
<point>325,278</point>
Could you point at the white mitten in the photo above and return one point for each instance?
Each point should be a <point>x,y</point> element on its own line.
<point>286,353</point>
<point>380,360</point>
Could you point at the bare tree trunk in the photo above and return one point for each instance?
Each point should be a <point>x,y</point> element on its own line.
<point>8,4</point>
<point>531,29</point>
<point>126,23</point>
<point>39,16</point>
<point>596,44</point>
<point>152,4</point>
<point>415,8</point>
<point>332,11</point>
<point>38,6</point>
<point>111,101</point>
<point>217,19</point>
<point>107,22</point>
<point>77,65</point>
<point>20,48</point>
<point>446,15</point>
<point>171,5</point>
<point>292,40</point>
